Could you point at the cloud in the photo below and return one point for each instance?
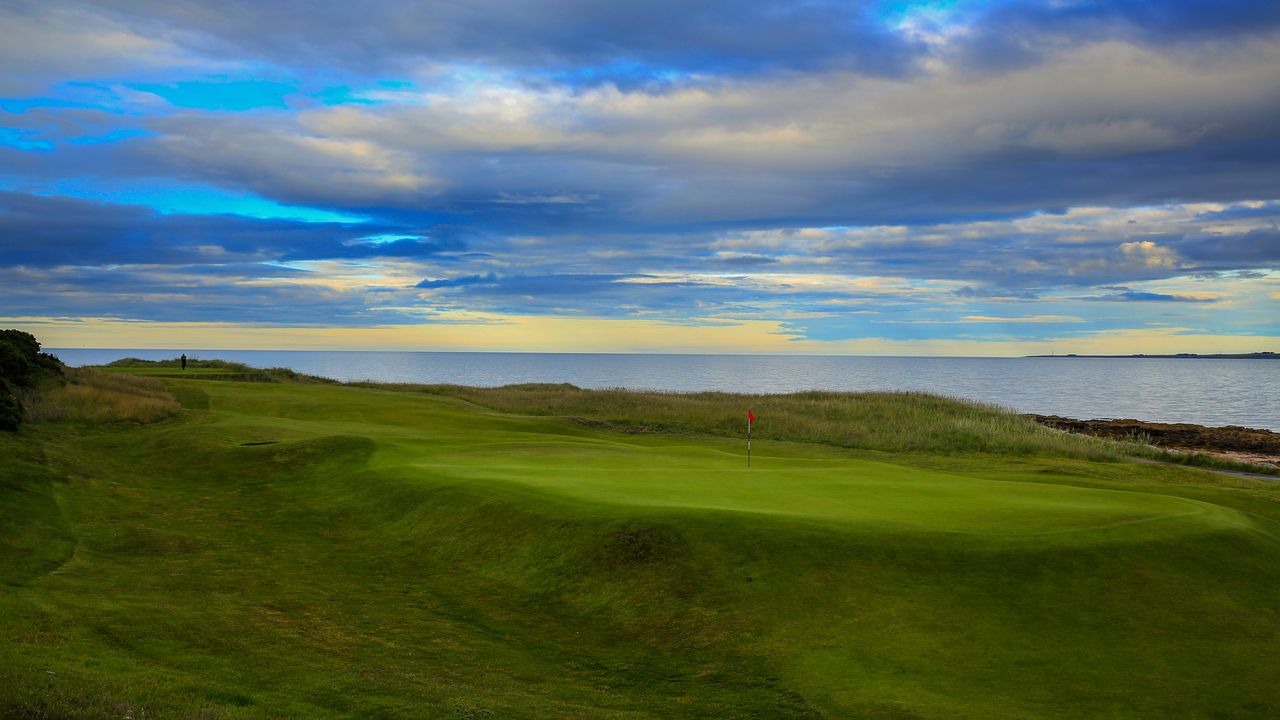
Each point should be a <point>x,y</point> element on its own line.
<point>1012,258</point>
<point>1124,125</point>
<point>1003,34</point>
<point>994,293</point>
<point>1103,137</point>
<point>37,231</point>
<point>1131,296</point>
<point>627,43</point>
<point>745,259</point>
<point>57,41</point>
<point>457,281</point>
<point>1256,246</point>
<point>1034,319</point>
<point>150,294</point>
<point>405,248</point>
<point>1147,254</point>
<point>615,41</point>
<point>290,166</point>
<point>536,199</point>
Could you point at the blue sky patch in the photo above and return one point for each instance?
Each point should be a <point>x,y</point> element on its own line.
<point>199,200</point>
<point>26,140</point>
<point>230,95</point>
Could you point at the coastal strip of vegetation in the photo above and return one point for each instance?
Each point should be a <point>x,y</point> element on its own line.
<point>886,421</point>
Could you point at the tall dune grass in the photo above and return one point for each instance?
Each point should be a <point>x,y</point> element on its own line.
<point>94,396</point>
<point>888,421</point>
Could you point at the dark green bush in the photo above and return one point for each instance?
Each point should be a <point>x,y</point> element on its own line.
<point>18,353</point>
<point>22,366</point>
<point>10,406</point>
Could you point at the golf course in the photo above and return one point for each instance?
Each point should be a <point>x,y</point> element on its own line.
<point>207,544</point>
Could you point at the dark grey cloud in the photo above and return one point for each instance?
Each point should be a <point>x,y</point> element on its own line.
<point>1133,296</point>
<point>1012,34</point>
<point>581,42</point>
<point>405,248</point>
<point>600,294</point>
<point>166,294</point>
<point>428,283</point>
<point>1260,246</point>
<point>38,231</point>
<point>387,36</point>
<point>746,261</point>
<point>975,293</point>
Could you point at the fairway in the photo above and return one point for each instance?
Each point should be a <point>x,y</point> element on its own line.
<point>332,551</point>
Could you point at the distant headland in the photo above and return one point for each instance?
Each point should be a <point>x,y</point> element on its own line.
<point>1214,356</point>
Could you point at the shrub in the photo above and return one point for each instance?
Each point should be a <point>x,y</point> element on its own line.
<point>10,406</point>
<point>22,367</point>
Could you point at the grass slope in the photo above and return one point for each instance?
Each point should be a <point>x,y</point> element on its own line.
<point>286,550</point>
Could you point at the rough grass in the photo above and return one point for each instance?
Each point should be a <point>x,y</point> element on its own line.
<point>213,370</point>
<point>93,396</point>
<point>899,422</point>
<point>1203,460</point>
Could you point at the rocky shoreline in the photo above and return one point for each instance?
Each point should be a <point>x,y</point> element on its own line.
<point>1244,444</point>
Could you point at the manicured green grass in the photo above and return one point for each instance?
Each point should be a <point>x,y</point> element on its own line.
<point>287,550</point>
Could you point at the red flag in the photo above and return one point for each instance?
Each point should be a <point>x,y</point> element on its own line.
<point>751,418</point>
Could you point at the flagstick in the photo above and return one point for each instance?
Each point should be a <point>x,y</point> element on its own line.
<point>748,443</point>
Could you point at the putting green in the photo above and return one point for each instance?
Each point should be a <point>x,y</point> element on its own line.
<point>855,493</point>
<point>450,441</point>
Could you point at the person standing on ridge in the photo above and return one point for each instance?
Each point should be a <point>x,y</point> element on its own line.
<point>184,361</point>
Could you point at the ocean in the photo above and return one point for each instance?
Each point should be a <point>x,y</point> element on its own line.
<point>1202,391</point>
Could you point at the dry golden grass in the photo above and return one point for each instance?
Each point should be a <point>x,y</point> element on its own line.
<point>95,396</point>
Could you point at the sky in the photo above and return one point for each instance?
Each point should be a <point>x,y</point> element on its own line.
<point>946,177</point>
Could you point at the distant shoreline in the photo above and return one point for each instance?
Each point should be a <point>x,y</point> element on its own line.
<point>1178,356</point>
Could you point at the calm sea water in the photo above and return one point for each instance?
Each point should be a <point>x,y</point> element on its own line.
<point>1208,392</point>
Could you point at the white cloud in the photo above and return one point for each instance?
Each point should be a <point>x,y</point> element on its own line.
<point>1149,255</point>
<point>1032,319</point>
<point>42,45</point>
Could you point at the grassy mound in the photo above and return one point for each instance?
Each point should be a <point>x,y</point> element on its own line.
<point>893,422</point>
<point>329,551</point>
<point>212,370</point>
